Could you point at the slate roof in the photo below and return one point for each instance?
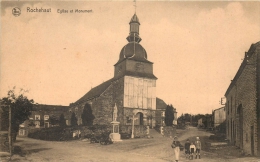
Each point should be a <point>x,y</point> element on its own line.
<point>133,51</point>
<point>242,66</point>
<point>134,19</point>
<point>96,91</point>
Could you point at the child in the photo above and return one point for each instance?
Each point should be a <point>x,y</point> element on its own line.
<point>187,148</point>
<point>192,150</point>
<point>198,147</point>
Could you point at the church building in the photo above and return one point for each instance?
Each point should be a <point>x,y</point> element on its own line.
<point>132,90</point>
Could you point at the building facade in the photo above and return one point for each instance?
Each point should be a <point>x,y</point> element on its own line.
<point>219,116</point>
<point>132,89</point>
<point>243,104</point>
<point>43,116</point>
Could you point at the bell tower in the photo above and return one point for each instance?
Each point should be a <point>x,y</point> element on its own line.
<point>137,72</point>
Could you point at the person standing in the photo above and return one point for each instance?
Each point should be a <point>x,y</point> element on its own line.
<point>192,150</point>
<point>198,147</point>
<point>176,148</point>
<point>187,148</point>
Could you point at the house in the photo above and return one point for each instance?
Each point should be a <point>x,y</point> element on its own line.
<point>43,116</point>
<point>219,116</point>
<point>243,104</point>
<point>200,123</point>
<point>205,121</point>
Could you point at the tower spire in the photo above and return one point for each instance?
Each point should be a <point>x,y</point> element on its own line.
<point>134,30</point>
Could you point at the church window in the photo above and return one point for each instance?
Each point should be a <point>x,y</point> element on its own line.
<point>134,28</point>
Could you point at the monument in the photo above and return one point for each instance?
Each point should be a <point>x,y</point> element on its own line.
<point>115,136</point>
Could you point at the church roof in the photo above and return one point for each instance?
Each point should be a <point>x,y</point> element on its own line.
<point>134,19</point>
<point>139,74</point>
<point>133,51</point>
<point>96,91</point>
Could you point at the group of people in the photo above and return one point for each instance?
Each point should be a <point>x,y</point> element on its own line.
<point>191,148</point>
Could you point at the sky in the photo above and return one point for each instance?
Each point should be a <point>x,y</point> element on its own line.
<point>196,48</point>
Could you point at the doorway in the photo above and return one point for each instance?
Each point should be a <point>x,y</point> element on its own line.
<point>140,117</point>
<point>252,140</point>
<point>240,125</point>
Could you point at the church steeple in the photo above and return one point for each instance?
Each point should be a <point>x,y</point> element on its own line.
<point>134,30</point>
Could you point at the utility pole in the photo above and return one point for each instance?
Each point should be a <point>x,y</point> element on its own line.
<point>10,131</point>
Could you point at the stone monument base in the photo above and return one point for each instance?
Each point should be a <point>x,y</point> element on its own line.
<point>116,137</point>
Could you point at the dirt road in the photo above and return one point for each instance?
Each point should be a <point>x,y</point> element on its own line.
<point>156,149</point>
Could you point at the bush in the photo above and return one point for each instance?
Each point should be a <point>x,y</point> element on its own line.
<point>52,134</point>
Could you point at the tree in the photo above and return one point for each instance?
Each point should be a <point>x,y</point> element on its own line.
<point>21,108</point>
<point>222,127</point>
<point>62,121</point>
<point>169,115</point>
<point>74,119</point>
<point>87,116</point>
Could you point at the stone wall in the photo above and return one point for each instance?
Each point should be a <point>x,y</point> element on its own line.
<point>241,107</point>
<point>258,97</point>
<point>148,116</point>
<point>139,130</point>
<point>103,106</point>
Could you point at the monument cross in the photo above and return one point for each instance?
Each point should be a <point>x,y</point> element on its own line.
<point>133,125</point>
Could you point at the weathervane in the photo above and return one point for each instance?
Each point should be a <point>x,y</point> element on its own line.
<point>135,5</point>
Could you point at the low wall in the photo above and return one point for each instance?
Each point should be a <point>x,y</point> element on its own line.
<point>139,130</point>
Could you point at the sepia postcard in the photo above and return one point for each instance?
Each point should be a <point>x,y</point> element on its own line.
<point>130,81</point>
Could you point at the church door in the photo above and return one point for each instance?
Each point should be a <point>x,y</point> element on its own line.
<point>140,118</point>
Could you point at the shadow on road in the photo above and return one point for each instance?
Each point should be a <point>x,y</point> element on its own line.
<point>23,152</point>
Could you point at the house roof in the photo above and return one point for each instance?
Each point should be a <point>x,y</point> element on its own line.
<point>219,108</point>
<point>42,107</point>
<point>242,66</point>
<point>160,104</point>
